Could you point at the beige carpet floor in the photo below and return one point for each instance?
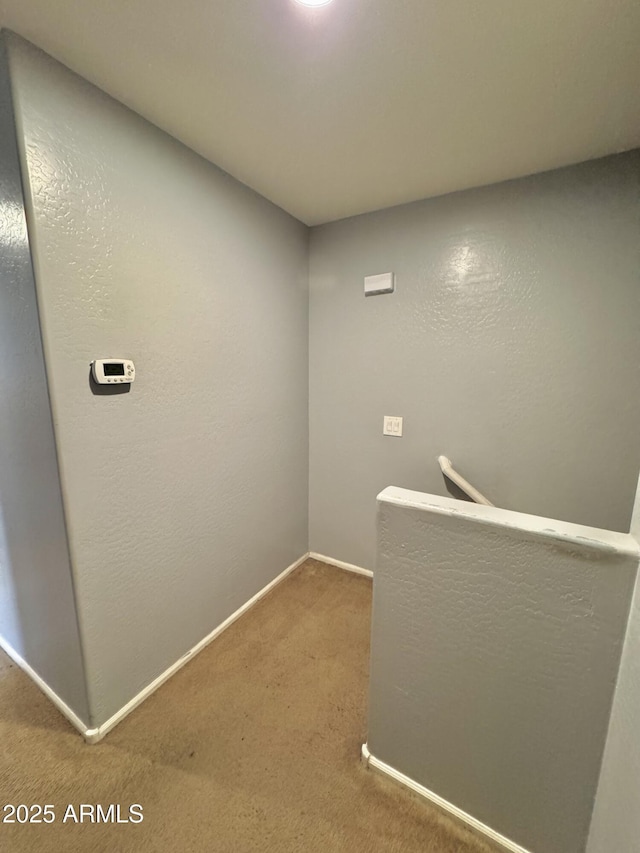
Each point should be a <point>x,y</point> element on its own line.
<point>253,746</point>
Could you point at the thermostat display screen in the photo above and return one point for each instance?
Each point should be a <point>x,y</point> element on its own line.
<point>107,371</point>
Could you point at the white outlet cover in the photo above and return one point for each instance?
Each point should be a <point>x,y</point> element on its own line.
<point>375,284</point>
<point>392,425</point>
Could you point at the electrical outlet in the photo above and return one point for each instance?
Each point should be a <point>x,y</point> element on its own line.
<point>392,426</point>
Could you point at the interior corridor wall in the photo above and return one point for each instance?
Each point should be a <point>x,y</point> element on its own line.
<point>616,822</point>
<point>38,620</point>
<point>511,345</point>
<point>188,494</point>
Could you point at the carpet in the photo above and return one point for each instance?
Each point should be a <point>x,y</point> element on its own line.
<point>253,746</point>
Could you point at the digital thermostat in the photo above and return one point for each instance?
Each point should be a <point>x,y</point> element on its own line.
<point>107,370</point>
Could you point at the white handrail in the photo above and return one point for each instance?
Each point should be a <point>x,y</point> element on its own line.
<point>449,471</point>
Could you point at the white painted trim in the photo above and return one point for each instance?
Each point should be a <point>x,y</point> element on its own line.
<point>94,735</point>
<point>60,704</point>
<point>577,536</point>
<point>505,843</point>
<point>348,567</point>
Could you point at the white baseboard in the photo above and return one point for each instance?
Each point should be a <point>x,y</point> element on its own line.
<point>482,829</point>
<point>94,735</point>
<point>348,567</point>
<point>60,704</point>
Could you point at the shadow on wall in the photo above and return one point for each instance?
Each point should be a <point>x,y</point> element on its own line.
<point>455,491</point>
<point>10,625</point>
<point>106,390</point>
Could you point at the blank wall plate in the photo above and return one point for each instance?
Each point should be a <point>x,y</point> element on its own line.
<point>392,426</point>
<point>375,284</point>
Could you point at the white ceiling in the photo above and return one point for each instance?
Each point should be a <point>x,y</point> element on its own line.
<point>361,104</point>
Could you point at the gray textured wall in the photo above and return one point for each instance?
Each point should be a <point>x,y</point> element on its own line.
<point>188,494</point>
<point>37,610</point>
<point>616,818</point>
<point>511,345</point>
<point>495,650</point>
